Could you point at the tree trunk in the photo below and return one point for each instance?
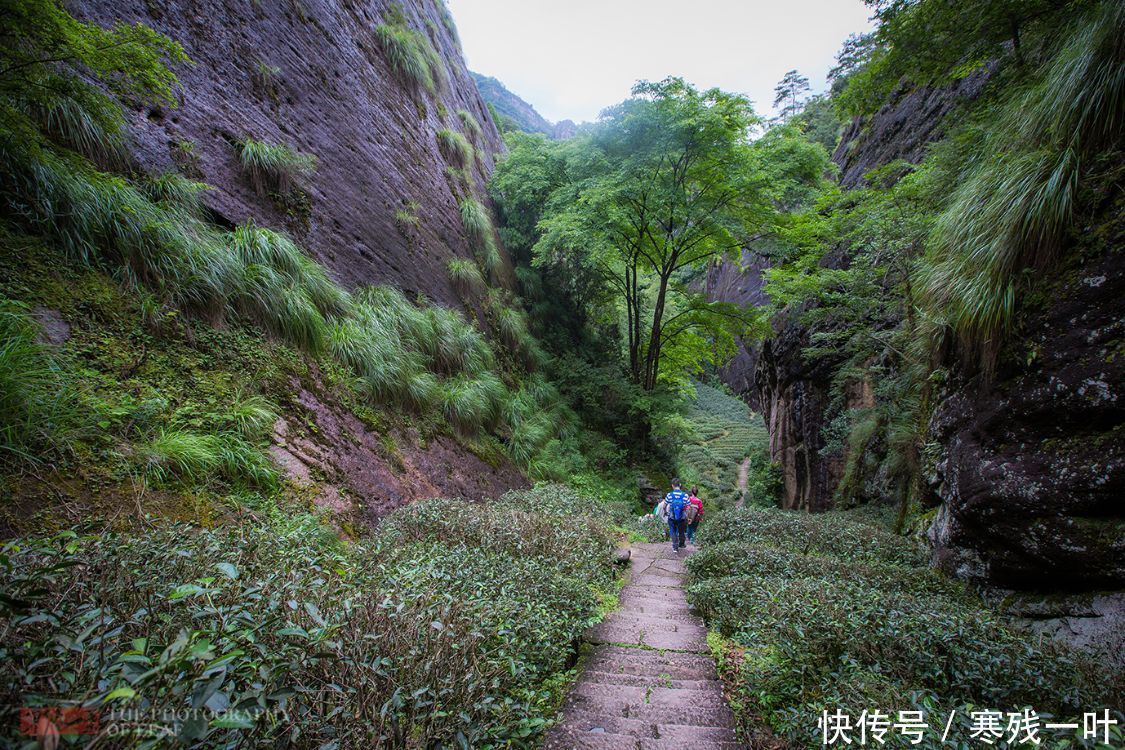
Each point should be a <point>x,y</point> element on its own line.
<point>652,360</point>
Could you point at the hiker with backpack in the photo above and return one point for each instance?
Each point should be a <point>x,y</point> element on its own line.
<point>677,502</point>
<point>694,514</point>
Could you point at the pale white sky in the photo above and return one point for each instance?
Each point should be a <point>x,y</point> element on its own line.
<point>571,58</point>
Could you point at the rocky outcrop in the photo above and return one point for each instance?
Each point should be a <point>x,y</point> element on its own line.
<point>902,128</point>
<point>311,74</point>
<point>358,469</point>
<point>522,115</point>
<point>382,207</point>
<point>1031,475</point>
<point>742,284</point>
<point>791,392</point>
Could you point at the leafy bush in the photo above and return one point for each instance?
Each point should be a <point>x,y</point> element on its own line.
<point>456,147</point>
<point>274,167</point>
<point>823,612</point>
<point>440,629</point>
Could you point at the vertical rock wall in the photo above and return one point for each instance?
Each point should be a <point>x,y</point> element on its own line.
<point>311,74</point>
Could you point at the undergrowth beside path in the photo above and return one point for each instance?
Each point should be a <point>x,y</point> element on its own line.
<point>450,625</point>
<point>820,612</point>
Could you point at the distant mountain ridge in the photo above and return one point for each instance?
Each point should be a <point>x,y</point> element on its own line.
<point>523,116</point>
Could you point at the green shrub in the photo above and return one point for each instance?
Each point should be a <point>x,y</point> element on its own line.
<point>410,54</point>
<point>456,148</point>
<point>823,612</point>
<point>442,629</point>
<point>274,167</point>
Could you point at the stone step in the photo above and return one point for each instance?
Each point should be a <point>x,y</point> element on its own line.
<point>569,739</point>
<point>689,734</point>
<point>694,642</point>
<point>660,579</point>
<point>718,716</point>
<point>643,621</point>
<point>681,666</point>
<point>674,600</point>
<point>648,695</point>
<point>648,678</point>
<point>695,716</point>
<point>610,723</point>
<point>690,745</point>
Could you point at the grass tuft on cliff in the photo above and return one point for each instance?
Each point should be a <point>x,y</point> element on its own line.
<point>36,400</point>
<point>466,278</point>
<point>455,147</point>
<point>1017,198</point>
<point>410,54</point>
<point>274,167</point>
<point>471,126</point>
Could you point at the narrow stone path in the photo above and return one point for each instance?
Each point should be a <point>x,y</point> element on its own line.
<point>650,682</point>
<point>743,481</point>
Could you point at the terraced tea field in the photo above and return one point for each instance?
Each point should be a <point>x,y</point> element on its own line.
<point>725,433</point>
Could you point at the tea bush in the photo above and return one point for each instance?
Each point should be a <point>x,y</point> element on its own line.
<point>822,612</point>
<point>439,630</point>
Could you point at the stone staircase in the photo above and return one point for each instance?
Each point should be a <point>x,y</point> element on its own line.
<point>650,682</point>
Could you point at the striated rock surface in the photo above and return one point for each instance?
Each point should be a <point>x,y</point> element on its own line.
<point>357,469</point>
<point>791,392</point>
<point>311,74</point>
<point>742,284</point>
<point>381,207</point>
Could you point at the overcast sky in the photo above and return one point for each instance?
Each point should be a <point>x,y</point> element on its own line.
<point>571,58</point>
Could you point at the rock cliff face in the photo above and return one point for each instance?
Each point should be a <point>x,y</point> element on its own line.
<point>742,284</point>
<point>381,207</point>
<point>1032,471</point>
<point>311,74</point>
<point>790,392</point>
<point>901,129</point>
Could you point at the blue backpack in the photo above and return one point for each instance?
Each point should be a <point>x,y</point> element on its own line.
<point>677,501</point>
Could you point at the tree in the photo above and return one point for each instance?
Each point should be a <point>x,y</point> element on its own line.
<point>820,122</point>
<point>789,94</point>
<point>667,183</point>
<point>674,189</point>
<point>853,54</point>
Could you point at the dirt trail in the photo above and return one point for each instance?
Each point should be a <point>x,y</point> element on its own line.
<point>650,682</point>
<point>743,480</point>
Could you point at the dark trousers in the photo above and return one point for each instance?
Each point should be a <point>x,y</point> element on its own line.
<point>676,532</point>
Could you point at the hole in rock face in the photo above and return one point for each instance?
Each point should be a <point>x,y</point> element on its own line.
<point>156,114</point>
